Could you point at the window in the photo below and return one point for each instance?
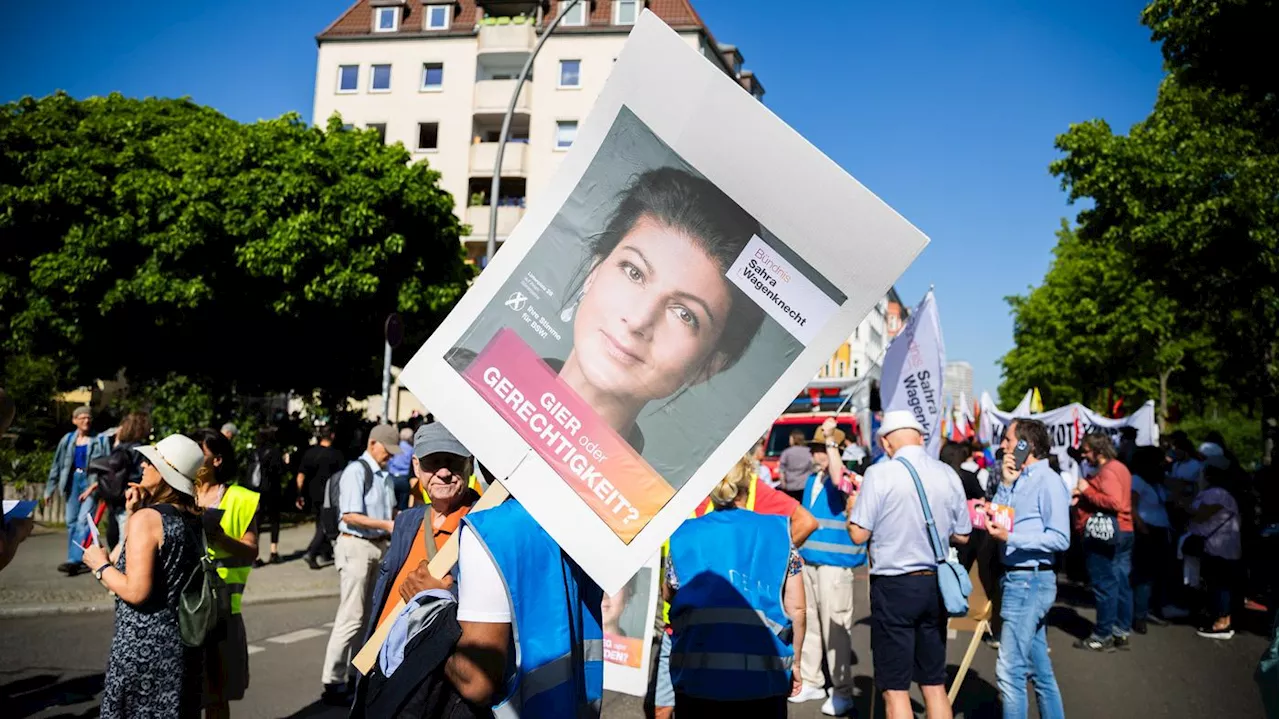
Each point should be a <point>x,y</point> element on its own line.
<point>432,76</point>
<point>380,128</point>
<point>438,17</point>
<point>386,19</point>
<point>570,73</point>
<point>625,11</point>
<point>840,368</point>
<point>380,78</point>
<point>348,127</point>
<point>576,16</point>
<point>566,133</point>
<point>348,78</point>
<point>428,136</point>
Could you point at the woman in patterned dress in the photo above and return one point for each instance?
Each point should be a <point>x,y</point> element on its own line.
<point>150,673</point>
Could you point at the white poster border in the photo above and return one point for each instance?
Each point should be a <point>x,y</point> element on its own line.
<point>706,117</point>
<point>635,680</point>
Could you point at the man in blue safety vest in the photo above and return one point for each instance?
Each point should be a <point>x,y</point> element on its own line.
<point>830,557</point>
<point>519,592</point>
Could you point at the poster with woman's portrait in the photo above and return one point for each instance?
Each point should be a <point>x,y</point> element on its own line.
<point>692,263</point>
<point>627,617</point>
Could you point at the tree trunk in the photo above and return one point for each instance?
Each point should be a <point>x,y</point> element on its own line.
<point>1164,399</point>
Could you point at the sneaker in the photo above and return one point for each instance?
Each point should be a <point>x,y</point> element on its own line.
<point>838,705</point>
<point>311,562</point>
<point>67,567</point>
<point>991,641</point>
<point>1174,612</point>
<point>1156,620</point>
<point>275,558</point>
<point>1121,641</point>
<point>808,694</point>
<point>258,563</point>
<point>1208,632</point>
<point>1095,644</point>
<point>336,695</point>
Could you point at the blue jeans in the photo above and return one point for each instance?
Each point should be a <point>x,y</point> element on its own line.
<point>79,516</point>
<point>1109,574</point>
<point>1024,647</point>
<point>664,694</point>
<point>400,482</point>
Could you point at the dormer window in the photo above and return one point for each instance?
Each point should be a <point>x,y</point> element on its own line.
<point>625,12</point>
<point>386,19</point>
<point>575,16</point>
<point>439,17</point>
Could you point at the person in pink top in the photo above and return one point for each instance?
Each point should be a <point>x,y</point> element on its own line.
<point>1109,493</point>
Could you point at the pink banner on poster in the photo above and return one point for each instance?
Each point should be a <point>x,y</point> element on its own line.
<point>593,459</point>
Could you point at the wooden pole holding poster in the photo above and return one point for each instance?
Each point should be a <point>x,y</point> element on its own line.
<point>440,566</point>
<point>977,621</point>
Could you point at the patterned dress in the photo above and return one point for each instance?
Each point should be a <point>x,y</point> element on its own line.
<point>151,674</point>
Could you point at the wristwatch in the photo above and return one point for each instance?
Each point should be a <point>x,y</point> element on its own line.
<point>98,572</point>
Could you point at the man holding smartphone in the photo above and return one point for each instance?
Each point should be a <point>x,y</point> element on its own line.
<point>1041,527</point>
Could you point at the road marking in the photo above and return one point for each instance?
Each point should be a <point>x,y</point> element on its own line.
<point>298,636</point>
<point>255,650</point>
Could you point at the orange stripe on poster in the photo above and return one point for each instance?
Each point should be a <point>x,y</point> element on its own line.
<point>594,460</point>
<point>623,650</point>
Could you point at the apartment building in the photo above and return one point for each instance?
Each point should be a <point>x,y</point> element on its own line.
<point>438,76</point>
<point>957,382</point>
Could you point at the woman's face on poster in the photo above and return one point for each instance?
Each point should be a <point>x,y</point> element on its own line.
<point>612,606</point>
<point>651,314</point>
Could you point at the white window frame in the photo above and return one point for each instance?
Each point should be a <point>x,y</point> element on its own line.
<point>560,78</point>
<point>617,12</point>
<point>353,90</point>
<point>395,18</point>
<point>448,17</point>
<point>581,9</point>
<point>556,139</point>
<point>372,70</point>
<point>423,86</point>
<point>369,126</point>
<point>417,140</point>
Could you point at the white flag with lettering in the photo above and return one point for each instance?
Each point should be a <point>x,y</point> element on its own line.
<point>912,378</point>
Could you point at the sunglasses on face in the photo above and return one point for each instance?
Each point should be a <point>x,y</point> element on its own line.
<point>433,464</point>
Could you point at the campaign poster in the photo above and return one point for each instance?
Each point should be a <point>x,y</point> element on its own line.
<point>627,617</point>
<point>688,267</point>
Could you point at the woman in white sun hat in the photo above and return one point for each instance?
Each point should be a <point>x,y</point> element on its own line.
<point>150,672</point>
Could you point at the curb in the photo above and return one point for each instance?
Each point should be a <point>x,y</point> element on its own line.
<point>109,605</point>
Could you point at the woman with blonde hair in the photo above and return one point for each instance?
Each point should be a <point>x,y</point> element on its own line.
<point>737,608</point>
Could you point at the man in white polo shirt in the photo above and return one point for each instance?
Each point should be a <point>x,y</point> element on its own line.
<point>908,622</point>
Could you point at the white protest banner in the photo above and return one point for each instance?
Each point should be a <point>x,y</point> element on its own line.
<point>1068,425</point>
<point>627,619</point>
<point>660,304</point>
<point>912,376</point>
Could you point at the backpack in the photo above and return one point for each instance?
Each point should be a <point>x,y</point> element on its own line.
<point>329,516</point>
<point>254,480</point>
<point>113,473</point>
<point>205,601</point>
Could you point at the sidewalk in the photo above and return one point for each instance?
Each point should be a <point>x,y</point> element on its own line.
<point>32,586</point>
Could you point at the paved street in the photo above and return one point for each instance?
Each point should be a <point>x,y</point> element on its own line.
<point>54,665</point>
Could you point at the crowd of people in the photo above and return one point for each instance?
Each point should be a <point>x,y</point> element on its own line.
<point>1157,533</point>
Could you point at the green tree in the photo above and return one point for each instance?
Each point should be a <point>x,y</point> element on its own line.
<point>162,238</point>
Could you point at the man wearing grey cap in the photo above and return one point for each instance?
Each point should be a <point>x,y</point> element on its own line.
<point>441,465</point>
<point>366,505</point>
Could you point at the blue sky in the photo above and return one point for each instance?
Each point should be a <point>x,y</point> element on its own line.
<point>946,110</point>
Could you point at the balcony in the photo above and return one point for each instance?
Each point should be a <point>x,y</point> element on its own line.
<point>514,159</point>
<point>508,218</point>
<point>510,38</point>
<point>493,96</point>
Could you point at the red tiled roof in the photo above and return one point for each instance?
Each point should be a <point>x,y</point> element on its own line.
<point>358,19</point>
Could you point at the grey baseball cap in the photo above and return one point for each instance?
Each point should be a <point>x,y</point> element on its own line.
<point>387,436</point>
<point>433,438</point>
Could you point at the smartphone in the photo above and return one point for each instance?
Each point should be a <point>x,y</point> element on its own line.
<point>1020,454</point>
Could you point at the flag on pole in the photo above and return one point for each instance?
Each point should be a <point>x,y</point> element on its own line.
<point>1037,405</point>
<point>912,376</point>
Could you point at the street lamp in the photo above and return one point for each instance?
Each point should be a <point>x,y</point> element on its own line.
<point>492,245</point>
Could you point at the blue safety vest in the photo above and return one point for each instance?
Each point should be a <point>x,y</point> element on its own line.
<point>830,544</point>
<point>730,635</point>
<point>557,670</point>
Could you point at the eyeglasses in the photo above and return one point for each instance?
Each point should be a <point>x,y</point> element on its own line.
<point>434,463</point>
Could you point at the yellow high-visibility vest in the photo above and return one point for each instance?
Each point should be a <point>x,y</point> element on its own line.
<point>238,506</point>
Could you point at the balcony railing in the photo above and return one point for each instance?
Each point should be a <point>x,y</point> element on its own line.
<point>493,96</point>
<point>514,159</point>
<point>507,38</point>
<point>508,218</point>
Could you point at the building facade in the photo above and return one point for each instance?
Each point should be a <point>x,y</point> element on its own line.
<point>437,76</point>
<point>957,382</point>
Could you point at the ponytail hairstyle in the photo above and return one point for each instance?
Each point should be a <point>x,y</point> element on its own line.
<point>734,483</point>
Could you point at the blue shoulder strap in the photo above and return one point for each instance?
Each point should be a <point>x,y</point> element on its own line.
<point>928,513</point>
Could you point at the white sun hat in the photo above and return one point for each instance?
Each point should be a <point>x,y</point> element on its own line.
<point>178,459</point>
<point>899,419</point>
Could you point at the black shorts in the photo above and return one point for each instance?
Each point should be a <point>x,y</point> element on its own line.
<point>908,632</point>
